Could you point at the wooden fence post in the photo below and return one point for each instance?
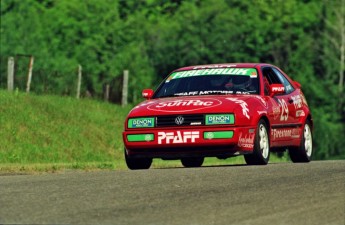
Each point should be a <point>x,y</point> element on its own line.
<point>31,63</point>
<point>10,73</point>
<point>79,81</point>
<point>107,92</point>
<point>124,88</point>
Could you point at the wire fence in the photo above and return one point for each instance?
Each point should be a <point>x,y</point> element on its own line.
<point>48,81</point>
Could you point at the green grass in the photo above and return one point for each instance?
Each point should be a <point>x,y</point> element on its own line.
<point>59,130</point>
<point>54,133</point>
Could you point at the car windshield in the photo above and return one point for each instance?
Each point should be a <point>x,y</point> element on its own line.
<point>220,81</point>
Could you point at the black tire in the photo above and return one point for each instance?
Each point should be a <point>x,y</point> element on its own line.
<point>261,151</point>
<point>137,163</point>
<point>303,153</point>
<point>192,162</point>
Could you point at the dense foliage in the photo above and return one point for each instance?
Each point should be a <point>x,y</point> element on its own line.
<point>151,38</point>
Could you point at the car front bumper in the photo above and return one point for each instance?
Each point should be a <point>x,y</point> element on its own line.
<point>189,142</point>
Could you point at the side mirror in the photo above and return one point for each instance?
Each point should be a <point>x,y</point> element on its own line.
<point>147,93</point>
<point>297,84</point>
<point>276,89</point>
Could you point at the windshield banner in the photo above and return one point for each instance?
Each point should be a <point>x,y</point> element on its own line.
<point>221,71</point>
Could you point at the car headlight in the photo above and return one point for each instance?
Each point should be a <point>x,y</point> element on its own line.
<point>218,119</point>
<point>142,122</point>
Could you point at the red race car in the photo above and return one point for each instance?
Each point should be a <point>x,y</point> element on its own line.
<point>220,110</point>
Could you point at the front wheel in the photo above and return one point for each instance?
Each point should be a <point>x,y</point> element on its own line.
<point>261,151</point>
<point>192,162</point>
<point>303,152</point>
<point>137,164</point>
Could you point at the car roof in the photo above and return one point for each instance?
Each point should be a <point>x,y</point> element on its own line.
<point>223,65</point>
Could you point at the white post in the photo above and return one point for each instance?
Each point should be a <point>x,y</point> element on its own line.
<point>10,73</point>
<point>31,63</point>
<point>79,80</point>
<point>124,88</point>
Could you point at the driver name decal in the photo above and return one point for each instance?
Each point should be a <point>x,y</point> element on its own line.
<point>178,137</point>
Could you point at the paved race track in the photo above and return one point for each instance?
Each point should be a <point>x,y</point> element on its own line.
<point>283,193</point>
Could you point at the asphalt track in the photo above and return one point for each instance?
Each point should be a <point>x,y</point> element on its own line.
<point>282,193</point>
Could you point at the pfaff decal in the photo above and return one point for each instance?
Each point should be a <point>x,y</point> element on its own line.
<point>246,141</point>
<point>178,137</point>
<point>284,110</point>
<point>243,104</point>
<point>280,89</point>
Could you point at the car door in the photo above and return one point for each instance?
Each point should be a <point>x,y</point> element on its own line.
<point>282,112</point>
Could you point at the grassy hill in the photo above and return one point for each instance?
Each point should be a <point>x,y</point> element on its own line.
<point>52,132</point>
<point>49,133</point>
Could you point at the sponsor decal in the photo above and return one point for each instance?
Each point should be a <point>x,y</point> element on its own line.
<point>141,122</point>
<point>243,104</point>
<point>184,105</point>
<point>284,110</point>
<point>300,113</point>
<point>246,141</point>
<point>285,133</point>
<point>219,119</point>
<point>280,89</point>
<point>178,137</point>
<point>297,101</point>
<point>209,92</point>
<point>217,71</point>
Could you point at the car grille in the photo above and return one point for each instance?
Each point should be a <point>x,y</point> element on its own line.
<point>188,120</point>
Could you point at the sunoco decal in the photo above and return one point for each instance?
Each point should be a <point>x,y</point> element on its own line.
<point>178,137</point>
<point>184,105</point>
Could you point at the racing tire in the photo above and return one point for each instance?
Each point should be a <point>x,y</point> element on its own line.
<point>137,164</point>
<point>261,151</point>
<point>303,153</point>
<point>192,162</point>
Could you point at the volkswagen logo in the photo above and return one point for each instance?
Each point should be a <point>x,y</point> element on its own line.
<point>179,120</point>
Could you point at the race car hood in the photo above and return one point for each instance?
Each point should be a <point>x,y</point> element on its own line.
<point>190,105</point>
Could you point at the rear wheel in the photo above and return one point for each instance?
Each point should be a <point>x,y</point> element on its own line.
<point>192,162</point>
<point>303,152</point>
<point>261,151</point>
<point>137,164</point>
